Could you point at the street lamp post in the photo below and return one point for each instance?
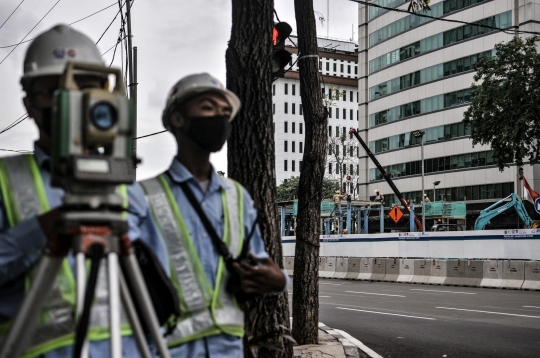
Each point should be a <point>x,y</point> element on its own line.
<point>420,134</point>
<point>435,183</point>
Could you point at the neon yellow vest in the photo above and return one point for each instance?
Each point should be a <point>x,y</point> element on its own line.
<point>55,329</point>
<point>205,311</point>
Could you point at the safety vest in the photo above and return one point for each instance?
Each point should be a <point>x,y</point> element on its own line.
<point>205,311</point>
<point>24,197</point>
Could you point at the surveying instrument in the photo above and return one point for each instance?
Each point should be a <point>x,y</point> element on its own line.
<point>91,157</point>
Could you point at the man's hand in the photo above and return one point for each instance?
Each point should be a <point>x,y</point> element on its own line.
<point>48,222</point>
<point>264,277</point>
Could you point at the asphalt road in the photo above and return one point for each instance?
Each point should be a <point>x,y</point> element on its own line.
<point>410,320</point>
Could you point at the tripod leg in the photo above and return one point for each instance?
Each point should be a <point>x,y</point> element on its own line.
<point>114,305</point>
<point>81,288</point>
<point>133,318</point>
<point>142,297</point>
<point>26,319</point>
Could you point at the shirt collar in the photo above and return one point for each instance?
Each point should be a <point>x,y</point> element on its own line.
<point>179,173</point>
<point>40,155</point>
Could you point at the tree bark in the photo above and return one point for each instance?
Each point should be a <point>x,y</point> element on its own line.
<point>306,263</point>
<point>251,157</point>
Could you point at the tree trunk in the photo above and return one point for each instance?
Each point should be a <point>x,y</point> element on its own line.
<point>251,155</point>
<point>306,263</point>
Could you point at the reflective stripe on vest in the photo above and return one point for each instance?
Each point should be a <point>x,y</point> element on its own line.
<point>210,311</point>
<point>28,199</point>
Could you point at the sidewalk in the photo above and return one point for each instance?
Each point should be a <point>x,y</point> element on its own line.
<point>334,343</point>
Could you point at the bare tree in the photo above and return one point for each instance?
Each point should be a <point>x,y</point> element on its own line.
<point>251,160</point>
<point>306,263</point>
<point>342,155</point>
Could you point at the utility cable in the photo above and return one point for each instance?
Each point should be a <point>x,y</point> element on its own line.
<point>22,151</point>
<point>107,29</point>
<point>10,52</point>
<point>445,20</point>
<point>149,135</point>
<point>74,22</point>
<point>16,122</point>
<point>11,14</point>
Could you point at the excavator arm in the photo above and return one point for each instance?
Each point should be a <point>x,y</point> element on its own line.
<point>490,212</point>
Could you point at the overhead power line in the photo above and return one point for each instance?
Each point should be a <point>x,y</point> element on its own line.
<point>74,22</point>
<point>10,52</point>
<point>149,135</point>
<point>14,123</point>
<point>17,151</point>
<point>446,20</point>
<point>11,14</point>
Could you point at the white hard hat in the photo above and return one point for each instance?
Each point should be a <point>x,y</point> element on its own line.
<point>51,50</point>
<point>191,85</point>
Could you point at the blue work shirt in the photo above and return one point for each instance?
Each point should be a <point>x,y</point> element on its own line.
<point>22,246</point>
<point>222,345</point>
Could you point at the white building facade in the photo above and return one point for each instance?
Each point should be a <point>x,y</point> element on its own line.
<point>415,74</point>
<point>338,68</point>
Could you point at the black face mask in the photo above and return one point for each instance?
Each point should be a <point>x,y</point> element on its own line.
<point>46,121</point>
<point>210,133</point>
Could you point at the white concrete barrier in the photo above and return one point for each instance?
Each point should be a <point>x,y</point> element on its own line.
<point>532,276</point>
<point>492,273</point>
<point>513,274</point>
<point>422,271</point>
<point>406,270</point>
<point>322,263</point>
<point>455,271</point>
<point>379,269</point>
<point>329,268</point>
<point>474,273</point>
<point>353,268</point>
<point>438,272</point>
<point>366,269</point>
<point>391,270</point>
<point>342,264</point>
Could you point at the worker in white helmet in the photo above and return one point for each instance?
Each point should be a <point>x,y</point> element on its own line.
<point>26,218</point>
<point>198,112</point>
<point>379,197</point>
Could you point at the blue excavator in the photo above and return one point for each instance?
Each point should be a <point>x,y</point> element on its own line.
<point>515,201</point>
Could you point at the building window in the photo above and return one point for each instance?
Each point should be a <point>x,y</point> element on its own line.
<point>285,149</point>
<point>322,91</point>
<point>286,127</point>
<point>344,169</point>
<point>344,113</point>
<point>357,115</point>
<point>329,112</point>
<point>329,168</point>
<point>273,108</point>
<point>328,66</point>
<point>301,126</point>
<point>292,147</point>
<point>320,65</point>
<point>350,96</point>
<point>351,114</point>
<point>341,68</point>
<point>358,152</point>
<point>293,127</point>
<point>292,165</point>
<point>351,168</point>
<point>330,93</point>
<point>301,112</point>
<point>351,152</point>
<point>337,113</point>
<point>337,168</point>
<point>344,97</point>
<point>337,131</point>
<point>286,107</point>
<point>329,131</point>
<point>293,89</point>
<point>344,130</point>
<point>300,166</point>
<point>348,68</point>
<point>286,88</point>
<point>344,150</point>
<point>357,168</point>
<point>285,165</point>
<point>335,67</point>
<point>300,147</point>
<point>293,109</point>
<point>337,151</point>
<point>356,97</point>
<point>273,127</point>
<point>355,70</point>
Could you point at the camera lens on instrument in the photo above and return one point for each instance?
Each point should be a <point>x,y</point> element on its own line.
<point>103,115</point>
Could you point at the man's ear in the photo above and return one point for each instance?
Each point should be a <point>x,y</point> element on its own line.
<point>176,120</point>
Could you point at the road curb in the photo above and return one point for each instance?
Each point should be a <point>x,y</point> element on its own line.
<point>353,347</point>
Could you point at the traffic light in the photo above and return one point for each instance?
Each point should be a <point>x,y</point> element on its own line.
<point>280,56</point>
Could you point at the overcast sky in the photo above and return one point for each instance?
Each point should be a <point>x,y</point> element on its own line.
<point>174,39</point>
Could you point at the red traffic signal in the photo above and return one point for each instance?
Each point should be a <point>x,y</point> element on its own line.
<point>280,56</point>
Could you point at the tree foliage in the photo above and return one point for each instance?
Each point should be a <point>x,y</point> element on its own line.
<point>504,112</point>
<point>289,190</point>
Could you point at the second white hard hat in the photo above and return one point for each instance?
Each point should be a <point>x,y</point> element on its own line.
<point>191,85</point>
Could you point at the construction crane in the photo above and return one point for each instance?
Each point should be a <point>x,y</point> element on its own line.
<point>490,212</point>
<point>387,178</point>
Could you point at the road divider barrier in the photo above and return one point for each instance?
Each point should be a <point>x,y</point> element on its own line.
<point>512,274</point>
<point>532,276</point>
<point>288,265</point>
<point>391,270</point>
<point>342,265</point>
<point>406,270</point>
<point>492,275</point>
<point>329,268</point>
<point>422,271</point>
